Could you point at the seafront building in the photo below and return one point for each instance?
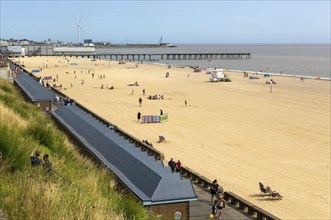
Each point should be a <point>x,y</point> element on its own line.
<point>48,50</point>
<point>63,51</point>
<point>17,48</point>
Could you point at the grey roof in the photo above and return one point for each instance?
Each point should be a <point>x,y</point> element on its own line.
<point>147,178</point>
<point>32,88</point>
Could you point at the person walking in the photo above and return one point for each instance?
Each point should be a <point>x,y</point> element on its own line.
<point>220,205</point>
<point>214,210</point>
<point>213,189</point>
<point>140,101</point>
<point>172,165</point>
<point>161,112</point>
<point>138,116</point>
<point>178,166</point>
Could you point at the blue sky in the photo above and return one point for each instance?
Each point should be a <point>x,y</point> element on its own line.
<point>178,21</point>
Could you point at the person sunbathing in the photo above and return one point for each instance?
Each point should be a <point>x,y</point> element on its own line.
<point>133,84</point>
<point>274,193</point>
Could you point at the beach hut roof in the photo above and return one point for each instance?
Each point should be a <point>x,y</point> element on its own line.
<point>146,177</point>
<point>34,90</point>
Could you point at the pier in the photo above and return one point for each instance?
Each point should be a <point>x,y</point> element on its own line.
<point>92,52</point>
<point>167,56</point>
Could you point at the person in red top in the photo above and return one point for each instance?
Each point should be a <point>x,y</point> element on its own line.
<point>178,166</point>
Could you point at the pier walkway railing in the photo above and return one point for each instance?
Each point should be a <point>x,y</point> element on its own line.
<point>160,56</point>
<point>175,56</point>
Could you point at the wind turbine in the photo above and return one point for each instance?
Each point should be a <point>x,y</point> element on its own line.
<point>79,28</point>
<point>161,38</point>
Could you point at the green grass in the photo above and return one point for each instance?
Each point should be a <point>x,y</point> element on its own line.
<point>11,148</point>
<point>82,190</point>
<point>5,87</point>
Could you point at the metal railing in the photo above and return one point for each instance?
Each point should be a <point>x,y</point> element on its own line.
<point>232,199</point>
<point>247,207</point>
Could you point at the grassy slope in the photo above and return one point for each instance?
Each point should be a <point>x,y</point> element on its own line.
<point>29,193</point>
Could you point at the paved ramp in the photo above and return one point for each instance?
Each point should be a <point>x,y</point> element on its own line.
<point>201,209</point>
<point>4,75</point>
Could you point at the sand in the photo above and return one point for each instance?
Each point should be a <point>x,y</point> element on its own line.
<point>237,132</point>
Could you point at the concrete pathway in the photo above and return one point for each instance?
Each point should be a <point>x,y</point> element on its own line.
<point>201,209</point>
<point>4,75</point>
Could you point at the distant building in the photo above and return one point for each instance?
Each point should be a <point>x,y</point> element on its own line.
<point>16,50</point>
<point>3,46</point>
<point>25,42</point>
<point>74,51</point>
<point>88,41</point>
<point>3,43</point>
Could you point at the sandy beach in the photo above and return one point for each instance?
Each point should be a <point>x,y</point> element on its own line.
<point>237,132</point>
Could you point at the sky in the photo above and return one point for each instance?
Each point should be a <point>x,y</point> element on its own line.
<point>177,21</point>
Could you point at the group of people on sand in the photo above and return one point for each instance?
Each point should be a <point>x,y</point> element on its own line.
<point>45,162</point>
<point>103,87</point>
<point>99,76</point>
<point>219,202</point>
<point>155,97</point>
<point>175,166</point>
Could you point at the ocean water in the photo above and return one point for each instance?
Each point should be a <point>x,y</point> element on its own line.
<point>292,59</point>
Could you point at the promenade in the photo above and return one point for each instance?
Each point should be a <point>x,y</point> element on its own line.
<point>201,208</point>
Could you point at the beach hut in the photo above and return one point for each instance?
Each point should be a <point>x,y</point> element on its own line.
<point>166,194</point>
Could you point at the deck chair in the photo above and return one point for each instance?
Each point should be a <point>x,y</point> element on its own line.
<point>263,189</point>
<point>274,194</point>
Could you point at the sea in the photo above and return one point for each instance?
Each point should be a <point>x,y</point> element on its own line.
<point>289,59</point>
